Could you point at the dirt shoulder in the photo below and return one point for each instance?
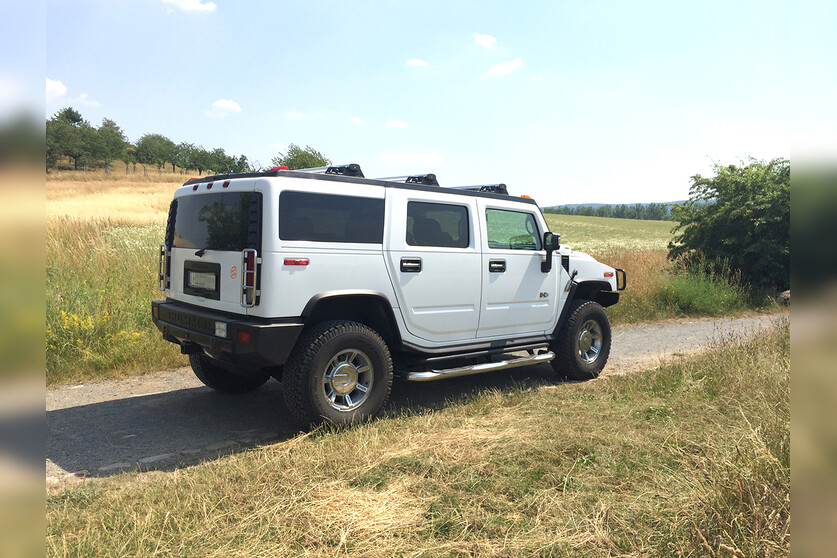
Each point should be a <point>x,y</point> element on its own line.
<point>168,419</point>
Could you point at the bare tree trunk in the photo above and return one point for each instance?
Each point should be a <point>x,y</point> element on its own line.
<point>107,170</point>
<point>127,168</point>
<point>144,170</point>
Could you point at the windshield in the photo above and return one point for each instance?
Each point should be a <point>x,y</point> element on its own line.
<point>218,221</point>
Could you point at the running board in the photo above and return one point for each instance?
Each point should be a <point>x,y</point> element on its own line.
<point>431,375</point>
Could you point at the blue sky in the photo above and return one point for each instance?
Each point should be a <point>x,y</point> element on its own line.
<point>566,101</point>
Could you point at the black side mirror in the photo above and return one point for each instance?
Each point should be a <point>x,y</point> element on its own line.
<point>551,242</point>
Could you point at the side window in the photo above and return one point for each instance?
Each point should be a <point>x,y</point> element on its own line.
<point>330,218</point>
<point>512,230</point>
<point>436,224</point>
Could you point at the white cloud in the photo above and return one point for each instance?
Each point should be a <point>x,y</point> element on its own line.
<point>222,108</point>
<point>418,62</point>
<point>191,5</point>
<point>426,159</point>
<point>485,41</point>
<point>357,120</point>
<point>54,90</point>
<point>505,68</point>
<point>84,99</point>
<point>396,123</point>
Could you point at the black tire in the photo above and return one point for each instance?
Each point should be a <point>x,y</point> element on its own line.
<point>339,372</point>
<point>223,380</point>
<point>583,343</point>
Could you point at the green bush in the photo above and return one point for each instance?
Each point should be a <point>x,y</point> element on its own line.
<point>741,216</point>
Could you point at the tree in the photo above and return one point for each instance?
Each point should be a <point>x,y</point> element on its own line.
<point>113,142</point>
<point>155,149</point>
<point>69,135</point>
<point>741,216</point>
<point>298,158</point>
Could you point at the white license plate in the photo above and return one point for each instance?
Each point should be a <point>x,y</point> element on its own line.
<point>200,280</point>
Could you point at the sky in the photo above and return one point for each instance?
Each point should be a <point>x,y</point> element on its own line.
<point>565,101</point>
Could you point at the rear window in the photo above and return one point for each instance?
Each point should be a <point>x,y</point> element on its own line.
<point>330,218</point>
<point>222,221</point>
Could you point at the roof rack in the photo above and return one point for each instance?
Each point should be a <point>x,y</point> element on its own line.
<point>494,188</point>
<point>352,169</point>
<point>428,179</point>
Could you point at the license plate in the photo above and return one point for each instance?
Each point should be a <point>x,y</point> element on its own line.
<point>201,280</point>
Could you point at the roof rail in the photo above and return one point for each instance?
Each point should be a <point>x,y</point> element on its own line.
<point>494,188</point>
<point>352,169</point>
<point>428,179</point>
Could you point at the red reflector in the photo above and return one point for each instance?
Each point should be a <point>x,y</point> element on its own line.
<point>195,187</point>
<point>226,184</point>
<point>282,167</point>
<point>298,261</point>
<point>243,337</point>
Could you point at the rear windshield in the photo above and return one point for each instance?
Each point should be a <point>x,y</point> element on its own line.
<point>219,221</point>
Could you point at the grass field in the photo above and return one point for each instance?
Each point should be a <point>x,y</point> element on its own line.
<point>691,459</point>
<point>103,232</point>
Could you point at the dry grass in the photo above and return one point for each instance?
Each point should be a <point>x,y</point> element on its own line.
<point>691,459</point>
<point>139,202</point>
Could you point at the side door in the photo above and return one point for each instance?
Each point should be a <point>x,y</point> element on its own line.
<point>433,257</point>
<point>517,297</point>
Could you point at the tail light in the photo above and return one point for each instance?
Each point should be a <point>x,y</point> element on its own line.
<point>250,262</point>
<point>165,268</point>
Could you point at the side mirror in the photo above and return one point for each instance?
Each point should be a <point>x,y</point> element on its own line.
<point>551,242</point>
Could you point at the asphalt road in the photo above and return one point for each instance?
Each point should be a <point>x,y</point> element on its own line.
<point>168,419</point>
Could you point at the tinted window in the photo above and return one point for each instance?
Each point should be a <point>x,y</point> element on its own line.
<point>330,218</point>
<point>512,230</point>
<point>219,221</point>
<point>436,224</point>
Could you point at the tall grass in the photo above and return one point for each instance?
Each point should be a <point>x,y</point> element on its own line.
<point>691,459</point>
<point>100,283</point>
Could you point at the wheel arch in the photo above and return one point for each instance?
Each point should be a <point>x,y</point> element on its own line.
<point>370,308</point>
<point>598,291</point>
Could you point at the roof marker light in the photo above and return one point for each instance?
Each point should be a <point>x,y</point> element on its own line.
<point>209,186</point>
<point>195,187</point>
<point>226,184</point>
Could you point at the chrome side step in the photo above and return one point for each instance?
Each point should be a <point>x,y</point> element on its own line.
<point>431,375</point>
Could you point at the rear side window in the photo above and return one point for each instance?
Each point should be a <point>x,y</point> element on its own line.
<point>216,221</point>
<point>511,230</point>
<point>330,218</point>
<point>436,224</point>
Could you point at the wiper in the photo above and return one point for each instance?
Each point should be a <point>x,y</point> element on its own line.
<point>200,252</point>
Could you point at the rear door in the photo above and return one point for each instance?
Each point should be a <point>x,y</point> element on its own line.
<point>212,226</point>
<point>432,252</point>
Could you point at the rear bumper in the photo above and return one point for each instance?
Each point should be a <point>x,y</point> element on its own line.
<point>251,342</point>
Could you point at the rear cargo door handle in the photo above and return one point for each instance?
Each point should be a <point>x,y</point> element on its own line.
<point>411,265</point>
<point>496,266</point>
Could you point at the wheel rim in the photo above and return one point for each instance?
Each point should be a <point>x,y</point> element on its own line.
<point>589,342</point>
<point>348,380</point>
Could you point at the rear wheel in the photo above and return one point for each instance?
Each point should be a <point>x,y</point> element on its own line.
<point>223,380</point>
<point>583,344</point>
<point>340,372</point>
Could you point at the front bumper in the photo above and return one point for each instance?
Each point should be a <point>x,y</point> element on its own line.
<point>249,341</point>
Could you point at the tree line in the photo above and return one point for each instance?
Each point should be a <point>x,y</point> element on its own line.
<point>647,211</point>
<point>70,137</point>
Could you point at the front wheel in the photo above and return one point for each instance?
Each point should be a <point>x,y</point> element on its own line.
<point>340,372</point>
<point>583,343</point>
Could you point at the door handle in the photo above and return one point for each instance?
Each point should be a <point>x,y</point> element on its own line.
<point>496,266</point>
<point>410,265</point>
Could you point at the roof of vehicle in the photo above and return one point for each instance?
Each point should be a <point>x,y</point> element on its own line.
<point>352,174</point>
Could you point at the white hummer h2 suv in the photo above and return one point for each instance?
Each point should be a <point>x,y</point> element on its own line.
<point>331,282</point>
